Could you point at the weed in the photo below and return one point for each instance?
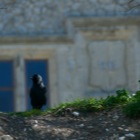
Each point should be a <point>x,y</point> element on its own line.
<point>132,109</point>
<point>121,97</point>
<point>94,105</point>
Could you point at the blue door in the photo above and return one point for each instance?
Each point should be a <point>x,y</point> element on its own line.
<point>6,86</point>
<point>35,67</point>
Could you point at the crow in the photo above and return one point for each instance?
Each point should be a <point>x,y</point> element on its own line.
<point>38,92</point>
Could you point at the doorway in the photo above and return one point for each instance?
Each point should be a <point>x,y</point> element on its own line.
<point>6,86</point>
<point>36,67</point>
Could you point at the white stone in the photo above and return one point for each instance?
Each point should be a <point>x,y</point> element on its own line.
<point>126,130</point>
<point>81,125</point>
<point>130,135</point>
<point>35,126</point>
<point>120,128</point>
<point>122,138</point>
<point>106,129</point>
<point>6,137</point>
<point>36,121</point>
<point>75,113</point>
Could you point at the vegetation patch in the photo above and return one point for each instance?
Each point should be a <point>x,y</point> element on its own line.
<point>129,103</point>
<point>132,108</point>
<point>27,113</point>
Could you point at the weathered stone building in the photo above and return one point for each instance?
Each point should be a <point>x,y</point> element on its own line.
<point>83,48</point>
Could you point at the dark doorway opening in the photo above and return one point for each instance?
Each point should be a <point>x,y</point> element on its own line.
<point>35,67</point>
<point>6,86</point>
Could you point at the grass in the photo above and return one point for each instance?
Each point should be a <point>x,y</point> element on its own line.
<point>27,113</point>
<point>129,103</point>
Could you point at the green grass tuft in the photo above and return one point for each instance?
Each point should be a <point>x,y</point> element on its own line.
<point>27,113</point>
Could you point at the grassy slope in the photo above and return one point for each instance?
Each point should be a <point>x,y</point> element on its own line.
<point>129,103</point>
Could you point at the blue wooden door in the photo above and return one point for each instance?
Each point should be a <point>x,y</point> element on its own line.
<point>6,86</point>
<point>36,67</point>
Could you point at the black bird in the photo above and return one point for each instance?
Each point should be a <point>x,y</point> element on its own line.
<point>37,92</point>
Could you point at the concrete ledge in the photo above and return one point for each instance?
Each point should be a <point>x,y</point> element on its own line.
<point>104,21</point>
<point>40,39</point>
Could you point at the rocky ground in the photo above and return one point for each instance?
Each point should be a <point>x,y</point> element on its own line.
<point>105,125</point>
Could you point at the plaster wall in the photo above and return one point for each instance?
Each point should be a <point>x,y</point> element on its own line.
<point>92,61</point>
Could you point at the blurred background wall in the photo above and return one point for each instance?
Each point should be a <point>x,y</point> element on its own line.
<point>81,48</point>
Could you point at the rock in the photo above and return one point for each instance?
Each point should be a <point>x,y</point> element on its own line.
<point>120,128</point>
<point>81,125</point>
<point>76,114</point>
<point>122,138</point>
<point>36,121</point>
<point>126,130</point>
<point>35,126</point>
<point>130,135</point>
<point>6,137</point>
<point>90,127</point>
<point>106,129</point>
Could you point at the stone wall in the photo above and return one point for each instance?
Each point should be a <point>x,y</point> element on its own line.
<point>100,57</point>
<point>103,58</point>
<point>92,46</point>
<point>46,17</point>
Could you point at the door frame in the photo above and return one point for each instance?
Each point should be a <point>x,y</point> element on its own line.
<point>20,52</point>
<point>42,52</point>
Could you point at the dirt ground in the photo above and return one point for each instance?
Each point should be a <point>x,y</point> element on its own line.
<point>105,125</point>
